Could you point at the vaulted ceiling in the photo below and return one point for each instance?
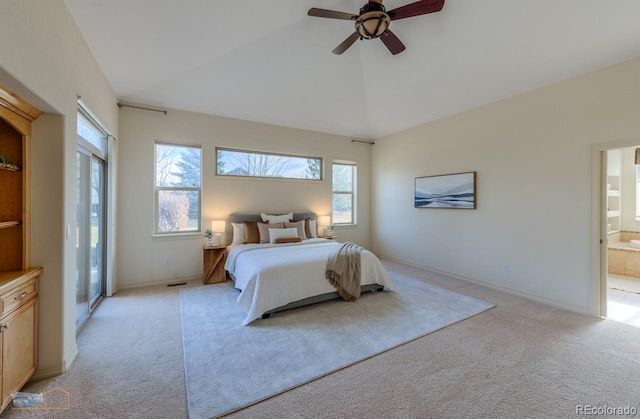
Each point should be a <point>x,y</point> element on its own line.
<point>267,61</point>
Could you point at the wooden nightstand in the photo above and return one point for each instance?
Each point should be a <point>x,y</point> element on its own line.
<point>213,267</point>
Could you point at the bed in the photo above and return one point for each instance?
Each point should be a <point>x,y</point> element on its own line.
<point>275,277</point>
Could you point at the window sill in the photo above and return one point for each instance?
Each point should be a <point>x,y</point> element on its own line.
<point>345,226</point>
<point>178,236</point>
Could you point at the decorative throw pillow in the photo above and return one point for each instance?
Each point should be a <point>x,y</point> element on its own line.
<point>238,233</point>
<point>263,230</point>
<point>251,233</point>
<point>268,218</point>
<point>281,233</point>
<point>300,226</point>
<point>307,230</point>
<point>313,229</point>
<point>288,240</point>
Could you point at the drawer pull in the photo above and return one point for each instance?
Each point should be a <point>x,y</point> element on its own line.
<point>21,296</point>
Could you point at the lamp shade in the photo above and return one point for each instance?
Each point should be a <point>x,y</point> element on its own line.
<point>218,226</point>
<point>324,220</point>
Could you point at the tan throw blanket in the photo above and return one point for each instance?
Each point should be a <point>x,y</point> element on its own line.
<point>343,270</point>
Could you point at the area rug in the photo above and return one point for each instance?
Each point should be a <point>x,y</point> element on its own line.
<point>229,366</point>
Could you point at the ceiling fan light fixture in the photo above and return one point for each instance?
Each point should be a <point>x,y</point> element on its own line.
<point>372,24</point>
<point>374,21</point>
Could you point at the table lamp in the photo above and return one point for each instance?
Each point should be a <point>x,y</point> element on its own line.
<point>217,228</point>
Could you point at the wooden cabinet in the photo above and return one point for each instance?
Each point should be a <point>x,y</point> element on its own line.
<point>18,329</point>
<point>16,116</point>
<point>18,281</point>
<point>213,266</point>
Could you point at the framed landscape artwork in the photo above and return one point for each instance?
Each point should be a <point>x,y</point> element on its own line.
<point>456,191</point>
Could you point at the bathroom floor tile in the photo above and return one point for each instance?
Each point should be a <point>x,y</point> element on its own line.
<point>623,299</point>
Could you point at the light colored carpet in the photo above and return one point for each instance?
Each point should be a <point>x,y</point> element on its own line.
<point>229,366</point>
<point>520,359</point>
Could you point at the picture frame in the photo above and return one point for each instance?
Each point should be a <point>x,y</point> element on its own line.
<point>454,191</point>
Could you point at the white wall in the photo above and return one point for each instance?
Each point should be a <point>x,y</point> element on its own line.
<point>140,254</point>
<point>44,58</point>
<point>533,157</point>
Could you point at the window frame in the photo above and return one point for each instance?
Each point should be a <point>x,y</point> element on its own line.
<point>275,154</point>
<point>158,189</point>
<point>99,150</point>
<point>352,192</point>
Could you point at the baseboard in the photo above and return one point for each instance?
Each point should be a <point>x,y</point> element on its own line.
<point>523,294</point>
<point>42,374</point>
<point>162,282</point>
<point>72,356</point>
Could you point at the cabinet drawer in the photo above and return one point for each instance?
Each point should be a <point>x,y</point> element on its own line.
<point>14,298</point>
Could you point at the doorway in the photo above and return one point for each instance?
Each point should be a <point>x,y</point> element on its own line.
<point>621,224</point>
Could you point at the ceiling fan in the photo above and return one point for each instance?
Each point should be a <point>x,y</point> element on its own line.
<point>373,21</point>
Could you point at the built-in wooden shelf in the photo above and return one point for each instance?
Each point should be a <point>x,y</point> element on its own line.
<point>18,282</point>
<point>7,278</point>
<point>9,168</point>
<point>7,224</point>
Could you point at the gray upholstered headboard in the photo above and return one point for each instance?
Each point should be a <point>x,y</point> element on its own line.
<point>238,218</point>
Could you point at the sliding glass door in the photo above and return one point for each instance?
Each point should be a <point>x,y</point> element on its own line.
<point>90,235</point>
<point>90,223</point>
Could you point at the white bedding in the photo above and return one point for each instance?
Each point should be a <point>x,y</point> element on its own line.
<point>273,275</point>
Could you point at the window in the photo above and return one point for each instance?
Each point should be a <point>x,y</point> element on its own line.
<point>258,164</point>
<point>344,193</point>
<point>91,135</point>
<point>177,188</point>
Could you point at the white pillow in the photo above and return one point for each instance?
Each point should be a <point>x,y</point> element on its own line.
<point>313,229</point>
<point>272,219</point>
<point>263,230</point>
<point>238,233</point>
<point>282,233</point>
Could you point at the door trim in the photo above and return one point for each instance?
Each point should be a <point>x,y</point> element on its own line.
<point>598,282</point>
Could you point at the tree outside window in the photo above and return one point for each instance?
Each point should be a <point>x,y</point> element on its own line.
<point>344,189</point>
<point>270,165</point>
<point>178,180</point>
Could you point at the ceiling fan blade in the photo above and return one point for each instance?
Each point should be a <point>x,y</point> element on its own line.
<point>418,8</point>
<point>392,42</point>
<point>346,44</point>
<point>331,14</point>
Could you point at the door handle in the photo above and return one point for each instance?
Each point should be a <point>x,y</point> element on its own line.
<point>21,296</point>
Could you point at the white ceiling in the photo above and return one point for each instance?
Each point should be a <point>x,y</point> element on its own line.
<point>267,61</point>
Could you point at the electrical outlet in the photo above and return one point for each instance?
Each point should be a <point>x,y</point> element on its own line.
<point>505,268</point>
<point>166,260</point>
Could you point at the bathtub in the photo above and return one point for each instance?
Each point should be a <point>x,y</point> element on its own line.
<point>623,258</point>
